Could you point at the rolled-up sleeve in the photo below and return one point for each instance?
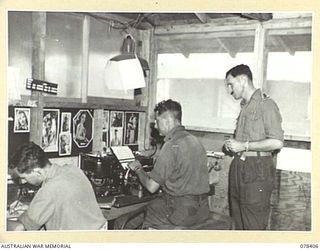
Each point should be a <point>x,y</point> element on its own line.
<point>40,210</point>
<point>272,120</point>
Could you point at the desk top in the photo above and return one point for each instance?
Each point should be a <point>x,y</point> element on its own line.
<point>113,207</point>
<point>114,213</point>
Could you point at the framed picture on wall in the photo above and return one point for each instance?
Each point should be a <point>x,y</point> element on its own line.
<point>116,135</point>
<point>65,144</point>
<point>65,122</point>
<point>116,119</point>
<point>50,128</point>
<point>21,120</point>
<point>82,128</point>
<point>131,128</point>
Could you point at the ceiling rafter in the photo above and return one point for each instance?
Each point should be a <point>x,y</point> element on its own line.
<point>225,47</point>
<point>204,18</point>
<point>282,43</point>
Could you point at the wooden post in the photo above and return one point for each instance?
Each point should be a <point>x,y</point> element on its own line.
<point>85,58</point>
<point>97,143</point>
<point>145,53</point>
<point>260,58</point>
<point>38,72</point>
<point>152,86</point>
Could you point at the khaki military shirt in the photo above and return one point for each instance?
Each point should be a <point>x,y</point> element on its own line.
<point>65,201</point>
<point>181,167</point>
<point>259,119</point>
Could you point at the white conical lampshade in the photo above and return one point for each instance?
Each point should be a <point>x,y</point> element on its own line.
<point>124,71</point>
<point>124,74</point>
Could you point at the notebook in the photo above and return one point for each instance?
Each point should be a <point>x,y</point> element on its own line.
<point>124,155</point>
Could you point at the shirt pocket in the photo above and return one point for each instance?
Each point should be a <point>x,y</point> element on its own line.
<point>254,127</point>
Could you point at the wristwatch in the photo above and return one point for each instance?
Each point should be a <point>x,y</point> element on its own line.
<point>247,146</point>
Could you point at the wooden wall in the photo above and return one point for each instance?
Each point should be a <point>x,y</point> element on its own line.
<point>291,202</point>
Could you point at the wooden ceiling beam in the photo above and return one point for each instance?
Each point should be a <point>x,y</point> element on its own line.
<point>225,47</point>
<point>234,24</point>
<point>213,35</point>
<point>108,17</point>
<point>204,18</point>
<point>126,22</point>
<point>257,16</point>
<point>284,45</point>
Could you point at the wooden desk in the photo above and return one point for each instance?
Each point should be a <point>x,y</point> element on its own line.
<point>114,213</point>
<point>109,211</point>
<point>109,214</point>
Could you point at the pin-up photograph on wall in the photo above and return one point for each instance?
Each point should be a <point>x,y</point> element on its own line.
<point>116,119</point>
<point>131,128</point>
<point>21,120</point>
<point>116,135</point>
<point>50,125</point>
<point>65,144</point>
<point>65,122</point>
<point>82,128</point>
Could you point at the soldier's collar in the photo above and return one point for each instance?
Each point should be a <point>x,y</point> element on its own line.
<point>257,95</point>
<point>173,131</point>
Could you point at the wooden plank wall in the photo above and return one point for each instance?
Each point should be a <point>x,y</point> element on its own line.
<point>291,202</point>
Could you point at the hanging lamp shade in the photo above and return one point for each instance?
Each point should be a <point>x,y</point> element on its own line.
<point>126,71</point>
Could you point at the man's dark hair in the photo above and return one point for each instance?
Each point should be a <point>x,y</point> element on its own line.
<point>171,106</point>
<point>28,157</point>
<point>240,70</point>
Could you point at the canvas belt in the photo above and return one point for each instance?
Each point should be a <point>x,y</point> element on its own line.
<point>254,153</point>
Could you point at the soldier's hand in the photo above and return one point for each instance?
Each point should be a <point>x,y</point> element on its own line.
<point>135,165</point>
<point>234,145</point>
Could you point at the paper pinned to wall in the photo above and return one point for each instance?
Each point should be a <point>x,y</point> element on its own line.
<point>124,74</point>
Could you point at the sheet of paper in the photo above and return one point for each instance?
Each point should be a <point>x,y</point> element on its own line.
<point>123,153</point>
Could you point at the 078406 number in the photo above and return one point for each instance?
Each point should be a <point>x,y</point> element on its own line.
<point>309,246</point>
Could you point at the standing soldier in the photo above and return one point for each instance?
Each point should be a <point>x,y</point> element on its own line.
<point>258,137</point>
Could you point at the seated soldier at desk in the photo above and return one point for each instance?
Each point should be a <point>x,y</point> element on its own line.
<point>65,201</point>
<point>180,170</point>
